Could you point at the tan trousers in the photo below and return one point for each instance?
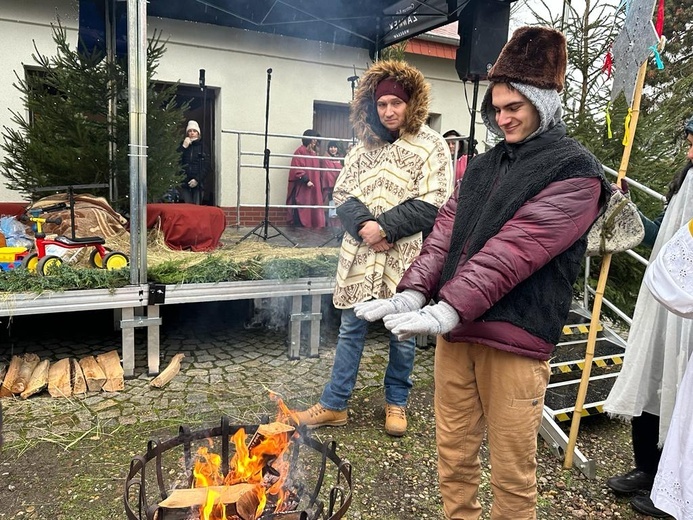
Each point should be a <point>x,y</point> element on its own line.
<point>479,388</point>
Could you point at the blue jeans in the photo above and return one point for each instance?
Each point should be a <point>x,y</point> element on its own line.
<point>352,337</point>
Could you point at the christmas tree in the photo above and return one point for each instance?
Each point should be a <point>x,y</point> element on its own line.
<point>66,137</point>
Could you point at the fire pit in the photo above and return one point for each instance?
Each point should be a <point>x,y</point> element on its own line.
<point>171,469</point>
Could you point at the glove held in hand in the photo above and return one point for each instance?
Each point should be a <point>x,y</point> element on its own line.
<point>406,301</point>
<point>433,319</point>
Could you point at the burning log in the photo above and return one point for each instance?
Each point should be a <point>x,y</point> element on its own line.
<point>12,372</point>
<point>38,380</point>
<point>168,373</point>
<point>29,363</point>
<point>59,380</point>
<point>268,430</point>
<point>93,373</point>
<point>79,384</point>
<point>182,498</point>
<point>247,505</point>
<point>115,375</point>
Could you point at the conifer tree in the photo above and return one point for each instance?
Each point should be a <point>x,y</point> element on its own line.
<point>666,102</point>
<point>64,139</point>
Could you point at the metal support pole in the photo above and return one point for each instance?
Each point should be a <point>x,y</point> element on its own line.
<point>137,93</point>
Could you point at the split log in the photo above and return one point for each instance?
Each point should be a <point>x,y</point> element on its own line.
<point>38,380</point>
<point>247,504</point>
<point>274,428</point>
<point>168,373</point>
<point>182,498</point>
<point>115,375</point>
<point>79,384</point>
<point>268,430</point>
<point>29,363</point>
<point>12,371</point>
<point>3,371</point>
<point>93,373</point>
<point>59,380</point>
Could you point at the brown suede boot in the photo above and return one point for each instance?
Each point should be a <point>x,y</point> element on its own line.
<point>395,420</point>
<point>317,416</point>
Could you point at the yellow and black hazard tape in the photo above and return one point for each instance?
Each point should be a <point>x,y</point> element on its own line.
<point>567,416</point>
<point>580,365</point>
<point>581,328</point>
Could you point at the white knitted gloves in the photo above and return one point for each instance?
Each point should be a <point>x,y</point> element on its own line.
<point>432,319</point>
<point>406,301</point>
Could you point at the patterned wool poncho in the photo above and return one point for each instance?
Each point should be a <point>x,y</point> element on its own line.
<point>415,166</point>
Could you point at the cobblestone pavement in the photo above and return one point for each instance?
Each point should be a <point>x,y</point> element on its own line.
<point>228,369</point>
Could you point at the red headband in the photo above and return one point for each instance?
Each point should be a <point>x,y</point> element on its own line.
<point>393,87</point>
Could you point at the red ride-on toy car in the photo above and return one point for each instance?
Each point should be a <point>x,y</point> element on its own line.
<point>41,263</point>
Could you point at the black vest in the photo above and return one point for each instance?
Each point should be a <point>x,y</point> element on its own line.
<point>495,185</point>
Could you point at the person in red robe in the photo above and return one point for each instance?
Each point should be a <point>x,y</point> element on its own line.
<point>331,165</point>
<point>305,186</point>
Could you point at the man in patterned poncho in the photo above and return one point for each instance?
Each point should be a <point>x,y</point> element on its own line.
<point>387,198</point>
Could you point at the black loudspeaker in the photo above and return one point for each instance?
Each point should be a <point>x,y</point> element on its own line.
<point>483,30</point>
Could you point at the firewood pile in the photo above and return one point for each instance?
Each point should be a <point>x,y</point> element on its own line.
<point>28,375</point>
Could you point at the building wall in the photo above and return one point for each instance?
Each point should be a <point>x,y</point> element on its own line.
<point>236,64</point>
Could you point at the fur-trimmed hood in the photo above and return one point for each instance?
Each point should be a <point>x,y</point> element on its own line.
<point>364,115</point>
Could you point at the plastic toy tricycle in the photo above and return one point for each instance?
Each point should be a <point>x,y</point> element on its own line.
<point>41,262</point>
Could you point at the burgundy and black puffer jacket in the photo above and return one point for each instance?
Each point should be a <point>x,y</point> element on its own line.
<point>518,277</point>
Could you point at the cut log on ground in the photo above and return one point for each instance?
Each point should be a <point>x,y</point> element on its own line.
<point>93,373</point>
<point>59,380</point>
<point>79,384</point>
<point>12,371</point>
<point>182,498</point>
<point>115,375</point>
<point>168,373</point>
<point>38,380</point>
<point>29,363</point>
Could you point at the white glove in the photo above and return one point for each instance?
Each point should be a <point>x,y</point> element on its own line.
<point>407,300</point>
<point>186,142</point>
<point>192,183</point>
<point>432,319</point>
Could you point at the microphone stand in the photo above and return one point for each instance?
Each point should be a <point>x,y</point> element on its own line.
<point>266,224</point>
<point>352,79</point>
<point>203,88</point>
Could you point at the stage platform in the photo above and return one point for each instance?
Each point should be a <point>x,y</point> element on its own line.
<point>138,306</point>
<point>300,236</point>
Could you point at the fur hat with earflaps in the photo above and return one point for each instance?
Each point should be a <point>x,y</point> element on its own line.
<point>533,62</point>
<point>534,56</point>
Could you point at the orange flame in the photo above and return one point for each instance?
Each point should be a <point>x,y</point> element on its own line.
<point>285,414</point>
<point>247,466</point>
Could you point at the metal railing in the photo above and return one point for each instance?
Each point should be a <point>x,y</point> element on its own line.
<point>247,144</point>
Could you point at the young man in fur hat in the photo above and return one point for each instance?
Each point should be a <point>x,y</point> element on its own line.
<point>387,197</point>
<point>500,264</point>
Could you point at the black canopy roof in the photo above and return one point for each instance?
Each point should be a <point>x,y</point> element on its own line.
<point>355,23</point>
<point>370,24</point>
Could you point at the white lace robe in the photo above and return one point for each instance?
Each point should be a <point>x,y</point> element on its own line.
<point>673,485</point>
